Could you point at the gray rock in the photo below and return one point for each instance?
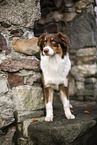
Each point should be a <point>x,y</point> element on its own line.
<point>7,139</point>
<point>26,73</point>
<point>14,65</point>
<point>95,90</point>
<point>81,31</point>
<point>60,132</point>
<point>27,122</point>
<point>17,13</point>
<point>80,85</point>
<point>86,52</point>
<point>3,43</point>
<point>22,115</point>
<point>85,70</point>
<point>3,83</point>
<point>85,92</point>
<point>31,79</point>
<point>82,4</point>
<point>28,98</point>
<point>28,102</point>
<point>6,110</point>
<point>69,16</point>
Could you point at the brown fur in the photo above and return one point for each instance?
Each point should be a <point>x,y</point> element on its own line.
<point>59,39</point>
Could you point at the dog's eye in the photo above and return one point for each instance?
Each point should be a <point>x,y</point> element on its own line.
<point>55,44</point>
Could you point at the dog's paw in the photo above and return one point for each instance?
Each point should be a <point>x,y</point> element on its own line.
<point>70,116</point>
<point>50,118</point>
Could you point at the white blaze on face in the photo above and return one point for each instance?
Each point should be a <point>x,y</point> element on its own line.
<point>50,50</point>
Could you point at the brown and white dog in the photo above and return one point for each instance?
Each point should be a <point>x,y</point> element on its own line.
<point>55,65</point>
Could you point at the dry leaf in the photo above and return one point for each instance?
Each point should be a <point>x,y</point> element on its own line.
<point>89,100</point>
<point>34,120</point>
<point>87,112</point>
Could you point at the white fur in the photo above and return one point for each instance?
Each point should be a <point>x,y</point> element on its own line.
<point>55,69</point>
<point>66,106</point>
<point>51,52</point>
<point>49,110</point>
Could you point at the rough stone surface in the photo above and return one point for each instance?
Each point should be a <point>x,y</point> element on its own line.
<point>14,65</point>
<point>27,98</point>
<point>57,133</point>
<point>27,122</point>
<point>69,16</point>
<point>86,52</point>
<point>69,132</point>
<point>26,46</point>
<point>22,115</point>
<point>15,80</point>
<point>3,83</point>
<point>82,4</point>
<point>34,79</point>
<point>16,33</point>
<point>7,109</point>
<point>84,69</point>
<point>83,36</point>
<point>20,13</point>
<point>4,45</point>
<point>7,139</point>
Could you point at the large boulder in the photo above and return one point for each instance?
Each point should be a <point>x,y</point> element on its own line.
<point>18,12</point>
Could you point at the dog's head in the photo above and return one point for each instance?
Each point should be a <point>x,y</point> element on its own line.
<point>51,44</point>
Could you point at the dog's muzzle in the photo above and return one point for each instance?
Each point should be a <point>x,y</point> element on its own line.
<point>47,50</point>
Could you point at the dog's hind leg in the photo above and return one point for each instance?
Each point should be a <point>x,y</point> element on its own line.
<point>65,102</point>
<point>48,93</point>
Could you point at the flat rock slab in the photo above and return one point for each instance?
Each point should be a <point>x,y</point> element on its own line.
<point>14,65</point>
<point>28,98</point>
<point>67,132</point>
<point>6,111</point>
<point>60,132</point>
<point>26,46</point>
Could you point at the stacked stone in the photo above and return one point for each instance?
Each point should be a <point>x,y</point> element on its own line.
<point>56,14</point>
<point>21,95</point>
<point>83,73</point>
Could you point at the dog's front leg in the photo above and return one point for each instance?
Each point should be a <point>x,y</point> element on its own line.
<point>65,101</point>
<point>48,93</point>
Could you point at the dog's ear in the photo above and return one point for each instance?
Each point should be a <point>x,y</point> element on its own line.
<point>64,42</point>
<point>41,40</point>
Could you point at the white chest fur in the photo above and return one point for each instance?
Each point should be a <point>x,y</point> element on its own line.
<point>55,70</point>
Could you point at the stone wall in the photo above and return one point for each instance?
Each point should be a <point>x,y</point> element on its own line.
<point>83,73</point>
<point>21,95</point>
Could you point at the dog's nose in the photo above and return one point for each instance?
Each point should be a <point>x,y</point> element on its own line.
<point>46,50</point>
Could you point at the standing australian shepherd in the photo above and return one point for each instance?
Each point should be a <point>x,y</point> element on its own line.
<point>55,65</point>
